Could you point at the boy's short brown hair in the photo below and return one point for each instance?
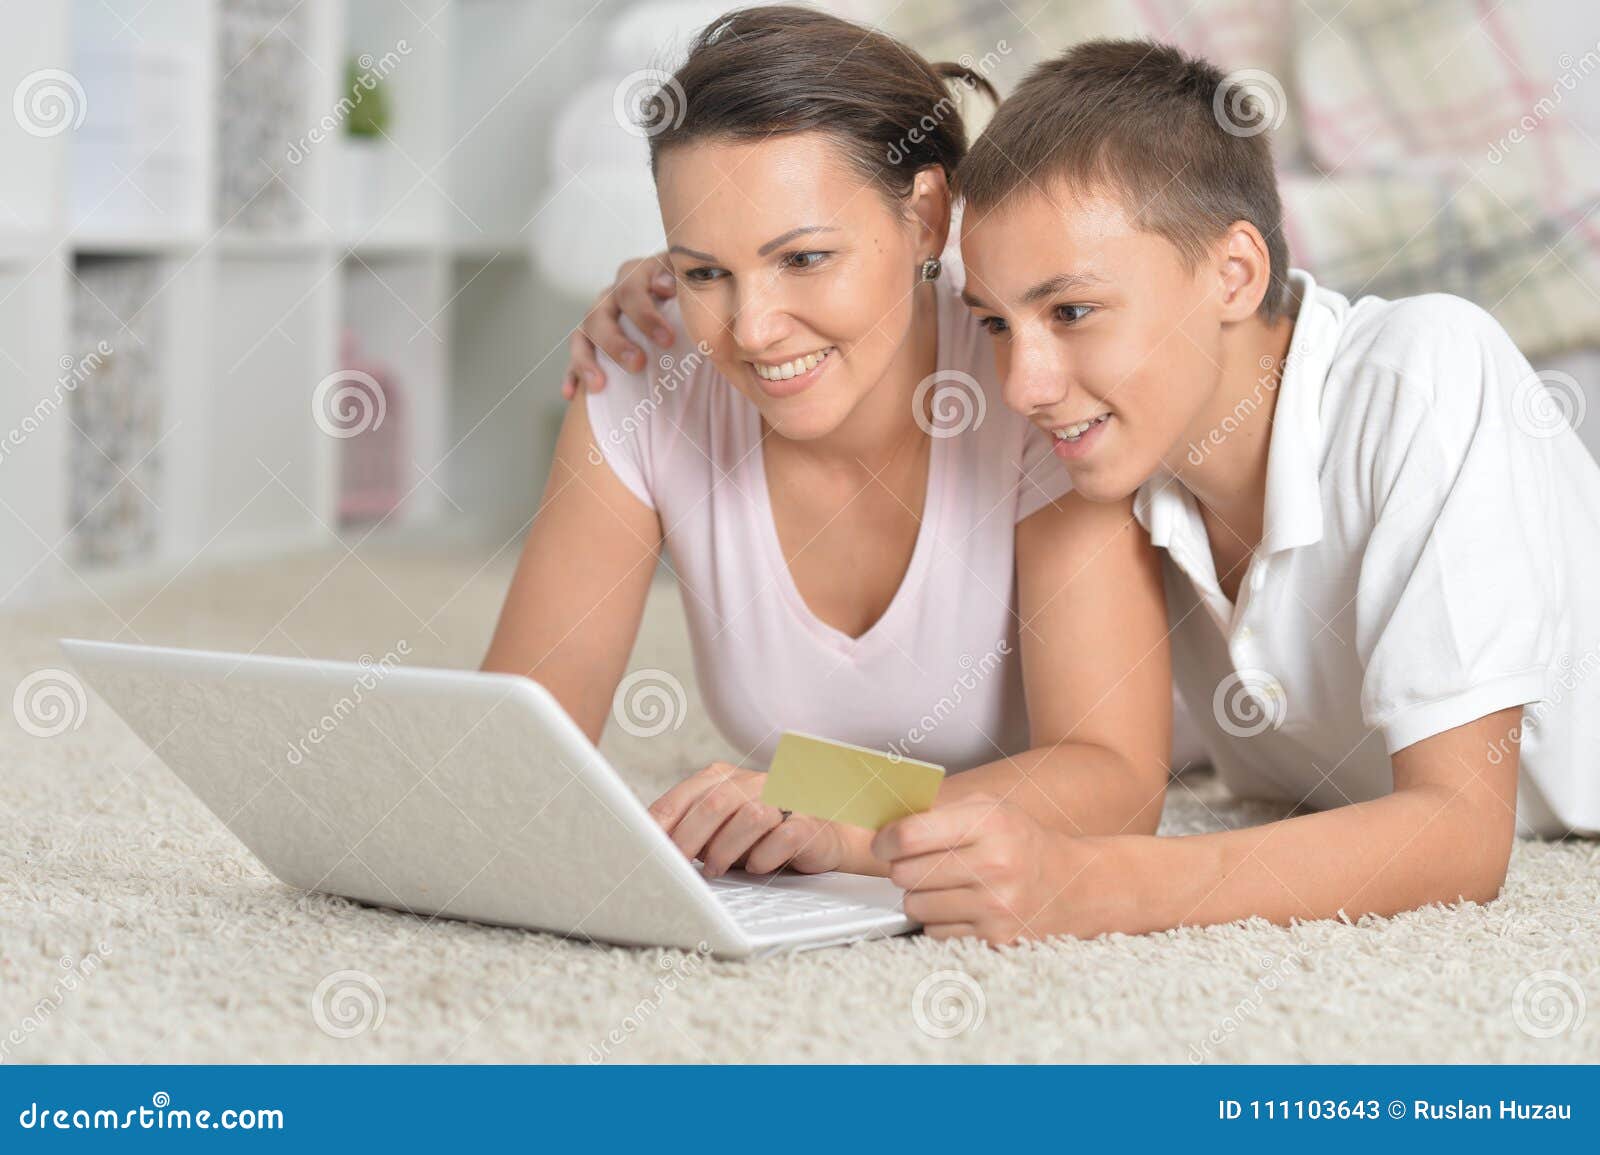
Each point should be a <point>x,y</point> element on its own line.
<point>1187,155</point>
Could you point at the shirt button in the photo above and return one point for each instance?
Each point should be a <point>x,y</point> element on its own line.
<point>1246,633</point>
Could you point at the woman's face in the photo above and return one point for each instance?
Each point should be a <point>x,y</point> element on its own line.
<point>794,271</point>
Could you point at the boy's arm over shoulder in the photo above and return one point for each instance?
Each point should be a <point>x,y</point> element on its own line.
<point>639,414</point>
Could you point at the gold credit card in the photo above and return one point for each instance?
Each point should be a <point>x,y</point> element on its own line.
<point>838,782</point>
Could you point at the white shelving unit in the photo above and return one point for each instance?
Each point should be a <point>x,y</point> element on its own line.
<point>201,167</point>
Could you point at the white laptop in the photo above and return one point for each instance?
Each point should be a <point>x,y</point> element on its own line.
<point>455,793</point>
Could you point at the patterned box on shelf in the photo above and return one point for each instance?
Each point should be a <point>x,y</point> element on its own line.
<point>264,77</point>
<point>114,459</point>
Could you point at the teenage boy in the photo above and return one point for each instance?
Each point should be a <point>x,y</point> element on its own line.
<point>1380,550</point>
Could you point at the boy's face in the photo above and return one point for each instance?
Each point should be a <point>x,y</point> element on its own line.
<point>1094,320</point>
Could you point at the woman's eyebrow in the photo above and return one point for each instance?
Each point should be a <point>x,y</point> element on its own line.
<point>791,235</point>
<point>688,252</point>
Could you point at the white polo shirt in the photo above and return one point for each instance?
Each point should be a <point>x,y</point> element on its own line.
<point>1431,554</point>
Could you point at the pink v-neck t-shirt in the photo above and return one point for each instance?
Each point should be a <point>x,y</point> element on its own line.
<point>938,676</point>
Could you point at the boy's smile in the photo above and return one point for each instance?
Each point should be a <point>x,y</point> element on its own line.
<point>1074,440</point>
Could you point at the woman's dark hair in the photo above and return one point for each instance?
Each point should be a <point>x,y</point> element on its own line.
<point>758,72</point>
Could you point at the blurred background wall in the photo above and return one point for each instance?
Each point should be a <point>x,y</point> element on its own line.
<point>279,273</point>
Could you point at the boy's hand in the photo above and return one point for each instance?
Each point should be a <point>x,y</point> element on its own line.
<point>640,286</point>
<point>979,867</point>
<point>718,817</point>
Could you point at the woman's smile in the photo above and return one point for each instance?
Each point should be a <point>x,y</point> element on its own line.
<point>787,378</point>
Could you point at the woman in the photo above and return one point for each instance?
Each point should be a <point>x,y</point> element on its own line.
<point>849,556</point>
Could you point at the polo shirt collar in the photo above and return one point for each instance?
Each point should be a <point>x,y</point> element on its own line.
<point>1293,513</point>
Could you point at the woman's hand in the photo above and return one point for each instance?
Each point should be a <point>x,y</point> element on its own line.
<point>718,817</point>
<point>983,868</point>
<point>640,285</point>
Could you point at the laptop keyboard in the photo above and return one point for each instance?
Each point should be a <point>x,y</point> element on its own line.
<point>764,907</point>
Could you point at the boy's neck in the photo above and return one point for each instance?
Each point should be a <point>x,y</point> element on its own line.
<point>1223,460</point>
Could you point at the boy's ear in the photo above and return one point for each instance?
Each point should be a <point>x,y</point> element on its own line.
<point>1245,269</point>
<point>929,203</point>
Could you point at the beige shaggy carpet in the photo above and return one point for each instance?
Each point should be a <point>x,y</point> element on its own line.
<point>135,928</point>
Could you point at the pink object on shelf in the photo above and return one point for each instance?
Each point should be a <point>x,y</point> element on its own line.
<point>373,437</point>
